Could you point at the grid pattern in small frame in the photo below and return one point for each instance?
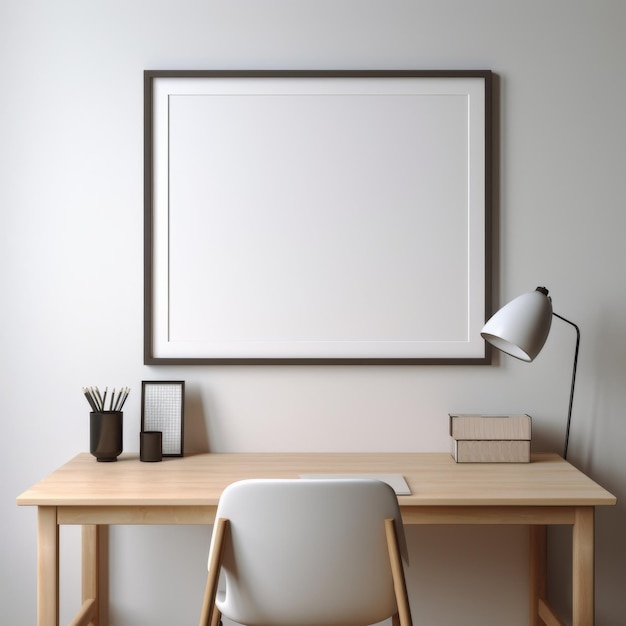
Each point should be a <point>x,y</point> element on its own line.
<point>162,410</point>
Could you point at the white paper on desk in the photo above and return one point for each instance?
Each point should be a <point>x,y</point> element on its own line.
<point>396,481</point>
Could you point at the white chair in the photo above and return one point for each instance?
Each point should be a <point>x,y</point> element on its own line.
<point>307,552</point>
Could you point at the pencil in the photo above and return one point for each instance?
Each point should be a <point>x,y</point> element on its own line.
<point>91,404</point>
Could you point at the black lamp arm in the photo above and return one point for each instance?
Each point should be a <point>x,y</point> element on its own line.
<point>571,395</point>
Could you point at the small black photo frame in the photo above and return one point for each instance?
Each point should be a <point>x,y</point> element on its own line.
<point>162,409</point>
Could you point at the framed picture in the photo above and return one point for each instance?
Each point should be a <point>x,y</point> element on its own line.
<point>317,217</point>
<point>162,409</point>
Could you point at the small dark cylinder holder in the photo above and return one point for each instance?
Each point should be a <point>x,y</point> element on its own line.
<point>150,446</point>
<point>105,435</point>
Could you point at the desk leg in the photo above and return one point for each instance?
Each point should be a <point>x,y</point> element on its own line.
<point>538,572</point>
<point>47,566</point>
<point>95,549</point>
<point>583,567</point>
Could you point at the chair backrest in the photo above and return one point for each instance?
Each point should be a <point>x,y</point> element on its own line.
<point>308,551</point>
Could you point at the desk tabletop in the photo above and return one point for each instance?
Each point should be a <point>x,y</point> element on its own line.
<point>198,480</point>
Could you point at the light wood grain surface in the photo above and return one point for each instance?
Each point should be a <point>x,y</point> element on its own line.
<point>434,479</point>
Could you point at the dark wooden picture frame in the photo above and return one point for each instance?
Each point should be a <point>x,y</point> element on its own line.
<point>317,216</point>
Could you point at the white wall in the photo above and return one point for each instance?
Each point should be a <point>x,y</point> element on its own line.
<point>71,193</point>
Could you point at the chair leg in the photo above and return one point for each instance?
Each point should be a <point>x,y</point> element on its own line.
<point>397,571</point>
<point>216,619</point>
<point>210,615</point>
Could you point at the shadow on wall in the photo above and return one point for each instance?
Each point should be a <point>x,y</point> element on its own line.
<point>196,436</point>
<point>604,460</point>
<point>599,453</point>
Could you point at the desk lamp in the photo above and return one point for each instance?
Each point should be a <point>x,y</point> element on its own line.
<point>521,327</point>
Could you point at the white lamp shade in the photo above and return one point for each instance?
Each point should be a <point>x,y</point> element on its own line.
<point>521,327</point>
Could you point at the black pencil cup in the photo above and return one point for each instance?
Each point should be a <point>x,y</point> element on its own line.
<point>105,435</point>
<point>150,446</point>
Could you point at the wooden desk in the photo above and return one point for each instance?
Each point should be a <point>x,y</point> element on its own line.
<point>186,491</point>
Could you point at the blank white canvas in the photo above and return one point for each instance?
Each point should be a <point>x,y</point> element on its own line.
<point>296,219</point>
